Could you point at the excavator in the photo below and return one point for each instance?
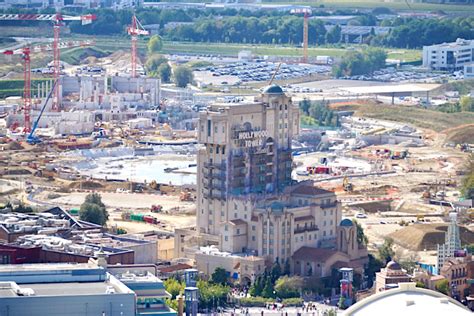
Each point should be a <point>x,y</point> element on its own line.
<point>31,138</point>
<point>346,185</point>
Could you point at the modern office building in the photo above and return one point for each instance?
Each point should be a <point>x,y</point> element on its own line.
<point>449,56</point>
<point>249,207</point>
<point>63,289</point>
<point>150,290</point>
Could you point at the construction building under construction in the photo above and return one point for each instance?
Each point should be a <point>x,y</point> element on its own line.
<point>87,99</point>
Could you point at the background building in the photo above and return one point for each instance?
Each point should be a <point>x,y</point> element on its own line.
<point>390,276</point>
<point>448,56</point>
<point>59,289</point>
<point>407,300</point>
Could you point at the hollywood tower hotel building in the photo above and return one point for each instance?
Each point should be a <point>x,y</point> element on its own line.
<point>247,201</point>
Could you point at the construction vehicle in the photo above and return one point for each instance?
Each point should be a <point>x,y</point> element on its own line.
<point>134,30</point>
<point>31,138</point>
<point>156,208</point>
<point>186,196</point>
<point>420,218</point>
<point>346,185</point>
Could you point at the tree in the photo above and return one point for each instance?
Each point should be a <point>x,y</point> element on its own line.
<point>287,268</point>
<point>174,287</point>
<point>373,266</point>
<point>386,252</point>
<point>257,287</point>
<point>467,103</point>
<point>164,71</point>
<point>211,295</point>
<point>467,187</point>
<point>334,35</point>
<point>154,62</point>
<point>267,291</point>
<point>361,62</point>
<point>361,236</point>
<point>442,286</point>
<point>155,44</point>
<point>276,270</point>
<point>287,287</point>
<point>182,76</point>
<point>304,106</point>
<point>219,276</point>
<point>93,210</point>
<point>420,284</point>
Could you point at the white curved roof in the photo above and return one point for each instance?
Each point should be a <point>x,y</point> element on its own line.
<point>407,300</point>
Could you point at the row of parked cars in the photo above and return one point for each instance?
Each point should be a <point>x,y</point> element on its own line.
<point>263,71</point>
<point>393,75</point>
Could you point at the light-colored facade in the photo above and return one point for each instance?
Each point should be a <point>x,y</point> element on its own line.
<point>390,276</point>
<point>60,289</point>
<point>455,270</point>
<point>452,242</point>
<point>407,300</point>
<point>247,203</point>
<point>449,56</point>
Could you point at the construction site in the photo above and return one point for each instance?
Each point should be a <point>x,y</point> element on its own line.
<point>108,128</point>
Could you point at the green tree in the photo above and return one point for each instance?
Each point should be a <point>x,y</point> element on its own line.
<point>276,270</point>
<point>386,252</point>
<point>93,210</point>
<point>373,266</point>
<point>212,295</point>
<point>361,236</point>
<point>467,103</point>
<point>467,187</point>
<point>420,284</point>
<point>164,71</point>
<point>287,267</point>
<point>304,106</point>
<point>219,276</point>
<point>287,287</point>
<point>442,286</point>
<point>182,76</point>
<point>268,288</point>
<point>174,287</point>
<point>154,62</point>
<point>155,44</point>
<point>334,35</point>
<point>257,287</point>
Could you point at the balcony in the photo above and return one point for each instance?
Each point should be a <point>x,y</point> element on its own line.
<point>330,205</point>
<point>305,229</point>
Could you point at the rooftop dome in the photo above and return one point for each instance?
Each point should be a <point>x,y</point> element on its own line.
<point>392,265</point>
<point>273,89</point>
<point>346,222</point>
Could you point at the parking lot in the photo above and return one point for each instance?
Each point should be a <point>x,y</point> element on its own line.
<point>407,76</point>
<point>237,73</point>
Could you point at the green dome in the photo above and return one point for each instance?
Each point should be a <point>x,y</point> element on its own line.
<point>273,89</point>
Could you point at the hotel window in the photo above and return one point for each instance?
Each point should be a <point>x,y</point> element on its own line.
<point>222,213</point>
<point>210,222</point>
<point>215,129</point>
<point>226,228</point>
<point>217,149</point>
<point>253,238</point>
<point>324,223</point>
<point>270,252</point>
<point>238,231</point>
<point>324,233</point>
<point>253,228</point>
<point>226,238</point>
<point>324,213</point>
<point>235,215</point>
<point>223,150</point>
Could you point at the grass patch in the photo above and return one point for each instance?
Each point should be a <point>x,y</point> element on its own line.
<point>108,43</point>
<point>420,117</point>
<point>74,56</point>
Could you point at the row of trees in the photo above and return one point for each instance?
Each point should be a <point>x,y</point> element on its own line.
<point>467,188</point>
<point>317,113</point>
<point>361,62</point>
<point>211,294</point>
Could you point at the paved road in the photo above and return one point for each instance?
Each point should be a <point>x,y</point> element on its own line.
<point>287,311</point>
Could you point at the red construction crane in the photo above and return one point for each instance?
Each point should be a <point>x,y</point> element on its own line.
<point>135,30</point>
<point>57,20</point>
<point>25,56</point>
<point>306,13</point>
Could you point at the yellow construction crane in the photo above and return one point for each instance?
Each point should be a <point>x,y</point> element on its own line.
<point>346,185</point>
<point>306,14</point>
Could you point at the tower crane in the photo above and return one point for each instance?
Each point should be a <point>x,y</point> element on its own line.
<point>134,30</point>
<point>57,20</point>
<point>25,56</point>
<point>306,14</point>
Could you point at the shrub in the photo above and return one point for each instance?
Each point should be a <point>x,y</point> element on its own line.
<point>294,301</point>
<point>255,301</point>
